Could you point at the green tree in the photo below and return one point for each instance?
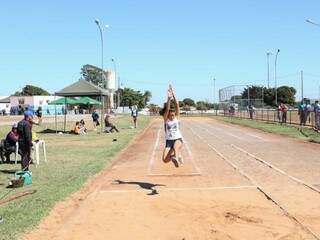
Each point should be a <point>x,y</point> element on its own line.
<point>92,74</point>
<point>30,90</point>
<point>189,102</point>
<point>153,108</point>
<point>202,106</point>
<point>255,92</point>
<point>286,94</point>
<point>131,97</point>
<point>147,96</point>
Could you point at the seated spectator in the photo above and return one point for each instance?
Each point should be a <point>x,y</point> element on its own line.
<point>109,127</point>
<point>83,126</point>
<point>77,129</point>
<point>10,142</point>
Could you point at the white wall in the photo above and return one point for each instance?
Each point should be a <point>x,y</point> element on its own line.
<point>31,100</point>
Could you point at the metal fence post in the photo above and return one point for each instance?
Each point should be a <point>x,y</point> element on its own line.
<point>290,111</point>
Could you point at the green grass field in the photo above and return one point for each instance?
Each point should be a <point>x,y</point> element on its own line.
<point>305,133</point>
<point>71,161</point>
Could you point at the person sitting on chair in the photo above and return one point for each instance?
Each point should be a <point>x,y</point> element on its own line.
<point>109,127</point>
<point>11,141</point>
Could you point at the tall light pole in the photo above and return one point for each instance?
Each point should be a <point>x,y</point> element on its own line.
<point>214,90</point>
<point>318,25</point>
<point>118,81</point>
<point>268,68</point>
<point>104,85</point>
<point>97,21</point>
<point>275,76</point>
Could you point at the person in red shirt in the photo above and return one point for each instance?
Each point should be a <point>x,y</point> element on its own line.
<point>283,109</point>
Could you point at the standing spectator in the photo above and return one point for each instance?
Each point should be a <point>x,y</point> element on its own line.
<point>11,141</point>
<point>308,111</point>
<point>25,139</point>
<point>134,114</point>
<point>317,115</point>
<point>279,113</point>
<point>39,115</point>
<point>251,111</point>
<point>283,111</point>
<point>95,119</point>
<point>302,113</point>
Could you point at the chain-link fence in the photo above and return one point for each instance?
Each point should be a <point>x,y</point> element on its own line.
<point>272,115</point>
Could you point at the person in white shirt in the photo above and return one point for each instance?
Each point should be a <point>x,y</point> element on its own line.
<point>134,115</point>
<point>173,135</point>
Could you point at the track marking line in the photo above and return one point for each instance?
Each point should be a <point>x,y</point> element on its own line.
<point>156,144</point>
<point>268,196</point>
<point>182,189</point>
<point>195,165</point>
<point>264,162</point>
<point>190,155</point>
<point>237,130</point>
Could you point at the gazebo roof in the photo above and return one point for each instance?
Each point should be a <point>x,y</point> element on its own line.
<point>82,88</point>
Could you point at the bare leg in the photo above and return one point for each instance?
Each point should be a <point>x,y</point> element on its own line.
<point>177,149</point>
<point>166,156</point>
<point>135,122</point>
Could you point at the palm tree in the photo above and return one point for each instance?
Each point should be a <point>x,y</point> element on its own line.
<point>147,96</point>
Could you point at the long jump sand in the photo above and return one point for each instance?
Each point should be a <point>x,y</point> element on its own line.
<point>216,194</point>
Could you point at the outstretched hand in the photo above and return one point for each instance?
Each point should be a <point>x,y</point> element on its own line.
<point>170,94</point>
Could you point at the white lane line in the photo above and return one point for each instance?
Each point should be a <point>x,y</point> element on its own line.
<point>156,144</point>
<point>275,168</point>
<point>268,196</point>
<point>264,162</point>
<point>195,165</point>
<point>182,189</point>
<point>191,158</point>
<point>238,131</point>
<point>224,158</point>
<point>256,136</point>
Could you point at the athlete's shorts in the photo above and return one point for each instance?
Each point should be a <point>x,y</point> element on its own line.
<point>170,143</point>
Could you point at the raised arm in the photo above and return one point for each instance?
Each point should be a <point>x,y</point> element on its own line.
<point>166,112</point>
<point>176,102</point>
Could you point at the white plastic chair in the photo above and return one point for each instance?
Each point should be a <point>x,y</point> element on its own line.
<point>16,153</point>
<point>36,151</point>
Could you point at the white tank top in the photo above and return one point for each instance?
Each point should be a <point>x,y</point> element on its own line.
<point>172,129</point>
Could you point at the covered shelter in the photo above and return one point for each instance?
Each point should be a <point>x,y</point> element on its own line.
<point>83,88</point>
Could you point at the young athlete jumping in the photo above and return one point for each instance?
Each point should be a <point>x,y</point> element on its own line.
<point>172,130</point>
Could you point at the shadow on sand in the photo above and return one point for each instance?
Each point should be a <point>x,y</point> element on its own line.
<point>144,185</point>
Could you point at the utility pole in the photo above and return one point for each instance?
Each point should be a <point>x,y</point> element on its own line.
<point>214,90</point>
<point>268,68</point>
<point>275,77</point>
<point>301,76</point>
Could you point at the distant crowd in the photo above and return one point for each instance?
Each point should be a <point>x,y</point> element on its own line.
<point>21,137</point>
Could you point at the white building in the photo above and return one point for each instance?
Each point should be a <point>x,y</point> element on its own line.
<point>34,102</point>
<point>5,105</point>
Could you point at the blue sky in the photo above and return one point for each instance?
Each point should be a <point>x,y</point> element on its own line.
<point>154,43</point>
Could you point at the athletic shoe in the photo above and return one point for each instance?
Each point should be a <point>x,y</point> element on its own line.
<point>175,162</point>
<point>180,160</point>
